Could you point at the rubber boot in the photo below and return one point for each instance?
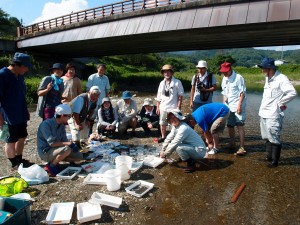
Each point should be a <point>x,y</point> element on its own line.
<point>268,151</point>
<point>276,150</point>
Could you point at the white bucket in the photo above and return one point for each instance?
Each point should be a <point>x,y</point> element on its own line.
<point>124,163</point>
<point>113,179</point>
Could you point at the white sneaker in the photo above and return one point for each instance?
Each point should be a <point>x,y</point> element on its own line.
<point>213,151</point>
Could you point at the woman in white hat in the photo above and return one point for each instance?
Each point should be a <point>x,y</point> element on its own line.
<point>149,118</point>
<point>107,118</point>
<point>184,140</point>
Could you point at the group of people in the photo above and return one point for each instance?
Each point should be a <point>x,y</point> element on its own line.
<point>61,102</point>
<point>213,117</point>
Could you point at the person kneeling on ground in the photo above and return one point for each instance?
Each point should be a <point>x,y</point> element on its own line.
<point>212,119</point>
<point>52,143</point>
<point>107,118</point>
<point>149,118</point>
<point>127,110</point>
<point>83,107</point>
<point>184,140</point>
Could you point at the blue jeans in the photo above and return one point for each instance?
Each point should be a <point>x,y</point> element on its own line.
<point>187,151</point>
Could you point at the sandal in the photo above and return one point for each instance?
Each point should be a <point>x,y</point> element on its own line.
<point>241,151</point>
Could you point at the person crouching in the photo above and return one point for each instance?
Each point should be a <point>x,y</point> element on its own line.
<point>184,140</point>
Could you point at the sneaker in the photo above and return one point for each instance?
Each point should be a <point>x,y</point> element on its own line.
<point>161,139</point>
<point>213,151</point>
<point>133,134</point>
<point>241,151</point>
<point>52,170</point>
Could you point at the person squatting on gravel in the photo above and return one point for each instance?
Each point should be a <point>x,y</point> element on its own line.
<point>184,140</point>
<point>52,143</point>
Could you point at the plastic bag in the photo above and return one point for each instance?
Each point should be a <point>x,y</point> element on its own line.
<point>33,174</point>
<point>12,185</point>
<point>4,132</point>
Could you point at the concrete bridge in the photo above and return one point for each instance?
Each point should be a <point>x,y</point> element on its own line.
<point>143,26</point>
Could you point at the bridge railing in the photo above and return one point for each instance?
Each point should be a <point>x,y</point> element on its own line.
<point>98,12</point>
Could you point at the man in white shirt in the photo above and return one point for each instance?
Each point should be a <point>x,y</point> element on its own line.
<point>100,80</point>
<point>169,96</point>
<point>278,91</point>
<point>234,95</point>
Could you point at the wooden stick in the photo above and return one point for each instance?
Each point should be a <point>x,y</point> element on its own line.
<point>238,192</point>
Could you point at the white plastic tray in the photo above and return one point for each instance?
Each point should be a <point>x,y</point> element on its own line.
<point>69,173</point>
<point>60,213</point>
<point>153,161</point>
<point>92,167</point>
<point>105,199</point>
<point>94,178</point>
<point>87,211</point>
<point>139,188</point>
<point>136,166</point>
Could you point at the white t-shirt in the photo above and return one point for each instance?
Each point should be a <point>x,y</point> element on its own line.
<point>175,89</point>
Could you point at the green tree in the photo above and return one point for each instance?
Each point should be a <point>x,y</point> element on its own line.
<point>8,25</point>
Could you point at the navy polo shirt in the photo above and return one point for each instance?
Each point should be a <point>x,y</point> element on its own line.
<point>13,97</point>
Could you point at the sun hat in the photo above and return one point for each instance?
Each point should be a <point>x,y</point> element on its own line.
<point>177,113</point>
<point>268,63</point>
<point>95,90</point>
<point>202,64</point>
<point>225,67</point>
<point>166,67</point>
<point>148,101</point>
<point>63,109</point>
<point>22,58</point>
<point>105,100</point>
<point>58,66</point>
<point>126,95</point>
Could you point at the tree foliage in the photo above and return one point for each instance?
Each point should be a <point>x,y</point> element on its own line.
<point>8,25</point>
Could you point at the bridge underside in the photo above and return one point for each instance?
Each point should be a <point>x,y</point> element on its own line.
<point>236,36</point>
<point>206,24</point>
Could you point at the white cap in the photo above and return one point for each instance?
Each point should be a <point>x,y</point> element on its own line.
<point>106,99</point>
<point>202,64</point>
<point>63,109</point>
<point>95,89</point>
<point>177,113</point>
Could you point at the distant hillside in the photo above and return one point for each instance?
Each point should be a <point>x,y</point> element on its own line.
<point>247,57</point>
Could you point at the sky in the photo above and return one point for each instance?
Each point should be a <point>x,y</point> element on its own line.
<point>33,11</point>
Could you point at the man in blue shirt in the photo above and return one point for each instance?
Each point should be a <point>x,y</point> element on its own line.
<point>52,143</point>
<point>212,120</point>
<point>14,110</point>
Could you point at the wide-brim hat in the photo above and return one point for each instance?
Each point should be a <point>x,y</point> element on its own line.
<point>166,67</point>
<point>57,66</point>
<point>267,63</point>
<point>126,95</point>
<point>148,101</point>
<point>22,58</point>
<point>202,64</point>
<point>225,67</point>
<point>177,113</point>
